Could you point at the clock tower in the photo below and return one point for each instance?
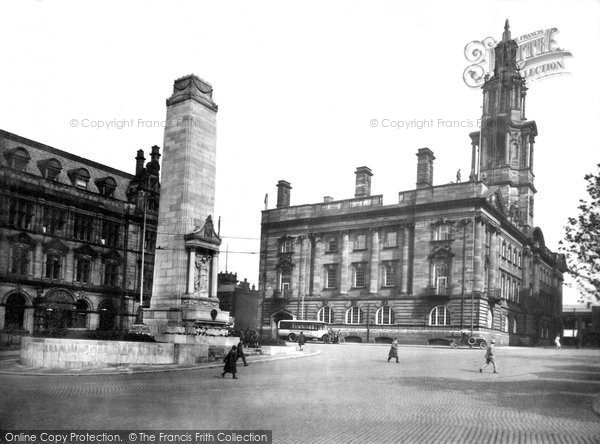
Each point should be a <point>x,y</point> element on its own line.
<point>503,149</point>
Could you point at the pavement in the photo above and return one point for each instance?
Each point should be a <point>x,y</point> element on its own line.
<point>342,393</point>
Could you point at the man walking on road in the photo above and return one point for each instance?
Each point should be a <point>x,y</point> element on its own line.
<point>301,340</point>
<point>489,357</point>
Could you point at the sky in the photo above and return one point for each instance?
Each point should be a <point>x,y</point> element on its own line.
<point>298,85</point>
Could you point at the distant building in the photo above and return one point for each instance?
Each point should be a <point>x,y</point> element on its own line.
<point>464,255</point>
<point>239,299</point>
<point>581,324</point>
<point>71,238</point>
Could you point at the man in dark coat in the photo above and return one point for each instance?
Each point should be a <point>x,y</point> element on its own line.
<point>393,351</point>
<point>301,340</point>
<point>240,352</point>
<point>230,362</point>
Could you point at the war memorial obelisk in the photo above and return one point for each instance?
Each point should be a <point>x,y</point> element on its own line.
<point>184,290</point>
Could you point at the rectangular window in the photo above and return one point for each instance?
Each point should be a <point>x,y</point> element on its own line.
<point>359,275</point>
<point>285,283</point>
<point>286,245</point>
<point>83,227</point>
<point>442,232</point>
<point>391,239</point>
<point>360,242</point>
<point>331,277</point>
<point>110,233</point>
<point>390,274</point>
<point>53,266</point>
<point>20,214</point>
<point>83,271</point>
<point>20,260</point>
<point>54,220</point>
<point>332,245</point>
<point>111,274</point>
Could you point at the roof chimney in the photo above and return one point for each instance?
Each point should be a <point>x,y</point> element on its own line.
<point>139,162</point>
<point>425,167</point>
<point>363,182</point>
<point>283,193</point>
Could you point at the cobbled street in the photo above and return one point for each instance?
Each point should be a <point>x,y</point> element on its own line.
<point>345,393</point>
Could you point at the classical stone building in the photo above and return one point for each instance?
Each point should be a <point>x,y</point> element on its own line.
<point>464,255</point>
<point>71,238</point>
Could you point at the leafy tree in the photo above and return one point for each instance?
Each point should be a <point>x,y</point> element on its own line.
<point>582,241</point>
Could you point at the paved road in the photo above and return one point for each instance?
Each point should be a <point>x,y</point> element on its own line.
<point>347,393</point>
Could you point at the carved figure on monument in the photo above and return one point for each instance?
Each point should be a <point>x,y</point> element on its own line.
<point>201,275</point>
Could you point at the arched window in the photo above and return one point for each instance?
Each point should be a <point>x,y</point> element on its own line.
<point>439,316</point>
<point>384,316</point>
<point>490,319</point>
<point>15,311</point>
<point>505,329</point>
<point>354,315</point>
<point>514,325</point>
<point>325,314</point>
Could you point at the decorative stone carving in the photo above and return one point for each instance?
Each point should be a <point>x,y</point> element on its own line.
<point>201,275</point>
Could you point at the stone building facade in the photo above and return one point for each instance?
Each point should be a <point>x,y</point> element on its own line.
<point>71,238</point>
<point>239,299</point>
<point>445,258</point>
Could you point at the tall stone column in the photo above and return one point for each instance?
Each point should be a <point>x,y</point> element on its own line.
<point>2,316</point>
<point>374,274</point>
<point>187,184</point>
<point>405,243</point>
<point>344,280</point>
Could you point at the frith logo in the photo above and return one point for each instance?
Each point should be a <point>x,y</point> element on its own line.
<point>538,57</point>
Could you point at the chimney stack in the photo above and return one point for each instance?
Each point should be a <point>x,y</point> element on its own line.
<point>425,167</point>
<point>139,162</point>
<point>327,199</point>
<point>363,182</point>
<point>283,193</point>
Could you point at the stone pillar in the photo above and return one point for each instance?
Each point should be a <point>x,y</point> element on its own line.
<point>478,257</point>
<point>214,280</point>
<point>507,148</point>
<point>27,319</point>
<point>2,316</point>
<point>473,175</point>
<point>493,279</point>
<point>536,273</point>
<point>191,270</point>
<point>531,142</point>
<point>94,320</point>
<point>374,274</point>
<point>344,279</point>
<point>69,266</point>
<point>38,260</point>
<point>405,242</point>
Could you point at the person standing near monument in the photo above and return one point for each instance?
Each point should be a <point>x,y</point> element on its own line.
<point>240,353</point>
<point>230,362</point>
<point>393,351</point>
<point>301,340</point>
<point>489,357</point>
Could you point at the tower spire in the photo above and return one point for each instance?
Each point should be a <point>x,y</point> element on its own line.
<point>506,33</point>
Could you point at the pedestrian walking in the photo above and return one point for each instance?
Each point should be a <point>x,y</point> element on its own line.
<point>240,353</point>
<point>230,362</point>
<point>557,342</point>
<point>301,340</point>
<point>489,357</point>
<point>393,351</point>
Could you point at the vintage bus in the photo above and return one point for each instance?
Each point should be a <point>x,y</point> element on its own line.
<point>291,328</point>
